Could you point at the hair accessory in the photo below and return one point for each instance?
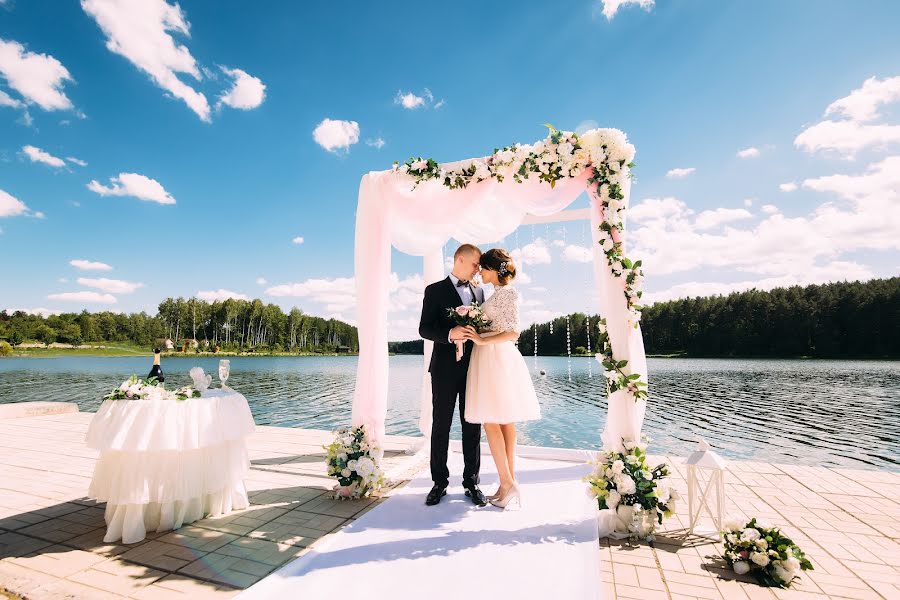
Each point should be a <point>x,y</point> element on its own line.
<point>503,270</point>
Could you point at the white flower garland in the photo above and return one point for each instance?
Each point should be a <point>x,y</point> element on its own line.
<point>355,460</point>
<point>562,154</point>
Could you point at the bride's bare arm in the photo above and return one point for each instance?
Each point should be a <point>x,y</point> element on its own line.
<point>506,336</point>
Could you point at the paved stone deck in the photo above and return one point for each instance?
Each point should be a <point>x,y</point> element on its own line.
<point>848,522</point>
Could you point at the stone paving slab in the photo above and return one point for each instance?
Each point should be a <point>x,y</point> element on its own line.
<point>51,535</point>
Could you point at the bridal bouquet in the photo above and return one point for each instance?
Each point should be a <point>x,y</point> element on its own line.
<point>468,315</point>
<point>134,388</point>
<point>641,496</point>
<point>356,463</point>
<point>756,548</point>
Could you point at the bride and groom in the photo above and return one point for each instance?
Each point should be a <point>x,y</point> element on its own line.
<point>490,379</point>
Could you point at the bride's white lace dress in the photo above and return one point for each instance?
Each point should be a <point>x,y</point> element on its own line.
<point>499,387</point>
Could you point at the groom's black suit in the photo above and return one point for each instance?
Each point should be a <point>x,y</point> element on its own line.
<point>448,379</point>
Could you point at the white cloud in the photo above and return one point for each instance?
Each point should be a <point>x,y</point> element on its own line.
<point>535,253</point>
<point>580,254</point>
<point>112,286</point>
<point>261,281</point>
<point>439,104</point>
<point>376,143</point>
<point>76,161</point>
<point>788,187</point>
<point>769,209</point>
<point>653,209</point>
<point>748,202</point>
<point>39,78</point>
<point>133,184</point>
<point>524,278</point>
<point>750,152</point>
<point>88,297</point>
<point>586,126</point>
<point>10,206</point>
<point>38,155</point>
<point>559,243</point>
<point>62,280</point>
<point>220,295</point>
<point>611,7</point>
<point>338,295</point>
<point>246,93</point>
<point>38,215</point>
<point>44,312</point>
<point>334,135</point>
<point>89,265</point>
<point>297,240</point>
<point>834,271</point>
<point>140,31</point>
<point>862,103</point>
<point>846,137</point>
<point>709,219</point>
<point>409,100</point>
<point>679,173</point>
<point>7,100</point>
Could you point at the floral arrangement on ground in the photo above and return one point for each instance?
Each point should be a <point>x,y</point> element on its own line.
<point>772,558</point>
<point>640,495</point>
<point>355,460</point>
<point>134,388</point>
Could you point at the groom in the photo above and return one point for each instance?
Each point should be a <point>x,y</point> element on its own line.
<point>448,376</point>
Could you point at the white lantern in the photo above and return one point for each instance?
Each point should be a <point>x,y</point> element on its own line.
<point>706,490</point>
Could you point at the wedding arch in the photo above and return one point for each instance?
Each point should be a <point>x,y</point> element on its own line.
<point>418,206</point>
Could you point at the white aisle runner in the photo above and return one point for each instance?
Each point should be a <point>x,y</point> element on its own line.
<point>404,549</point>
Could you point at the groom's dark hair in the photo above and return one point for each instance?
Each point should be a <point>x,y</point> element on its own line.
<point>466,249</point>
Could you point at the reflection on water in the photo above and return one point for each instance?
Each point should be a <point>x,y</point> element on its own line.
<point>830,413</point>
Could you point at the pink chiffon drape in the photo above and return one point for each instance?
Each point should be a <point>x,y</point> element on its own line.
<point>419,221</point>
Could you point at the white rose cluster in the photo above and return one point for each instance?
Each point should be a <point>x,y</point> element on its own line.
<point>355,459</point>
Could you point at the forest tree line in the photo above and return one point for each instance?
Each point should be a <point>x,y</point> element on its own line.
<point>230,325</point>
<point>835,320</point>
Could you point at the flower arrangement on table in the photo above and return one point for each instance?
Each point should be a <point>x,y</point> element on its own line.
<point>772,558</point>
<point>640,495</point>
<point>134,388</point>
<point>468,315</point>
<point>355,460</point>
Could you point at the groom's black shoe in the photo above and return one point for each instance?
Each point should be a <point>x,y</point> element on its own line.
<point>476,495</point>
<point>435,495</point>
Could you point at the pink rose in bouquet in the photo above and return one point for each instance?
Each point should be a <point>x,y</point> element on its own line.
<point>468,316</point>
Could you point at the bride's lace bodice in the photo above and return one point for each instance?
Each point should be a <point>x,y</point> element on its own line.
<point>502,308</point>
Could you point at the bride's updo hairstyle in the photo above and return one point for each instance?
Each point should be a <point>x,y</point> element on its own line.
<point>499,260</point>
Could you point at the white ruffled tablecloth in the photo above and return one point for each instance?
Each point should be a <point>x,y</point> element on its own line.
<point>166,463</point>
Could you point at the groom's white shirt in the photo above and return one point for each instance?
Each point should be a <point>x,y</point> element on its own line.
<point>465,293</point>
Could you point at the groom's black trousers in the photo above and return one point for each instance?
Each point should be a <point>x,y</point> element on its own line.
<point>445,388</point>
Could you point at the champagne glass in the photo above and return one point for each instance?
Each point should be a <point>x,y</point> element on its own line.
<point>224,370</point>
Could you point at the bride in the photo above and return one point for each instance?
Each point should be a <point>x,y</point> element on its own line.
<point>499,392</point>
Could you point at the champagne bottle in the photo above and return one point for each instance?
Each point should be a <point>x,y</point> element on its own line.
<point>156,371</point>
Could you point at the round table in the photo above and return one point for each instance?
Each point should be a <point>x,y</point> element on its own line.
<point>166,463</point>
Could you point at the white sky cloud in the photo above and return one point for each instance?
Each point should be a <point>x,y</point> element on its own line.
<point>112,286</point>
<point>89,265</point>
<point>261,281</point>
<point>298,240</point>
<point>7,100</point>
<point>535,253</point>
<point>579,254</point>
<point>10,206</point>
<point>409,100</point>
<point>376,143</point>
<point>85,297</point>
<point>748,202</point>
<point>710,219</point>
<point>38,155</point>
<point>133,184</point>
<point>750,152</point>
<point>220,295</point>
<point>247,92</point>
<point>38,78</point>
<point>44,312</point>
<point>769,209</point>
<point>611,7</point>
<point>140,31</point>
<point>788,187</point>
<point>335,135</point>
<point>862,104</point>
<point>679,173</point>
<point>76,161</point>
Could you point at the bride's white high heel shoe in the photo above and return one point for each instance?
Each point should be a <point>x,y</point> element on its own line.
<point>514,494</point>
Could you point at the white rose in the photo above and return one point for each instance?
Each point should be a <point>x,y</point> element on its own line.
<point>731,538</point>
<point>625,484</point>
<point>741,567</point>
<point>365,466</point>
<point>565,149</point>
<point>591,139</point>
<point>351,464</point>
<point>342,457</point>
<point>759,558</point>
<point>618,466</point>
<point>733,523</point>
<point>749,535</point>
<point>631,459</point>
<point>613,499</point>
<point>124,387</point>
<point>418,165</point>
<point>783,574</point>
<point>607,244</point>
<point>762,544</point>
<point>616,266</point>
<point>792,564</point>
<point>345,472</point>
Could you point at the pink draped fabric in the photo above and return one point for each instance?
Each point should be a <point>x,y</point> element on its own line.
<point>419,221</point>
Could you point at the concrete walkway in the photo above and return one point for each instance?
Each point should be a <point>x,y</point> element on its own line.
<point>848,522</point>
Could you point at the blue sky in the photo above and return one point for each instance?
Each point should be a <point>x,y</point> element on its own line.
<point>236,181</point>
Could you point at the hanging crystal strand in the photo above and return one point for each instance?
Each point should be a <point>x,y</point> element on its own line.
<point>590,362</point>
<point>568,337</point>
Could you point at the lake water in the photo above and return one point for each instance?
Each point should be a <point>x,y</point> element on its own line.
<point>828,413</point>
